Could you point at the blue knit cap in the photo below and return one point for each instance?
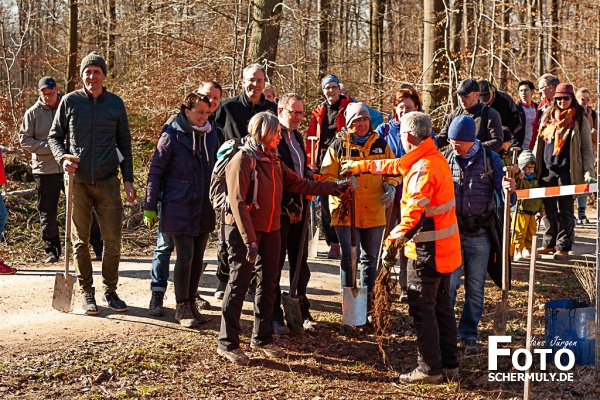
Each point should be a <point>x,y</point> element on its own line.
<point>327,79</point>
<point>462,128</point>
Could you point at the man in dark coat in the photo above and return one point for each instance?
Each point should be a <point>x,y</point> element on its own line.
<point>234,113</point>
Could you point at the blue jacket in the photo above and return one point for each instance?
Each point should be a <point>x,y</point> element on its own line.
<point>181,179</point>
<point>474,186</point>
<point>392,136</point>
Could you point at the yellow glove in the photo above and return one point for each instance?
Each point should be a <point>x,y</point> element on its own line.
<point>150,218</point>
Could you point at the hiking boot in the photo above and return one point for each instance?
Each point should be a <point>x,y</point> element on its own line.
<point>53,255</point>
<point>112,301</point>
<point>5,269</point>
<point>183,315</point>
<point>51,259</point>
<point>526,254</point>
<point>251,293</point>
<point>334,251</point>
<point>451,374</point>
<point>546,250</point>
<point>89,303</point>
<point>279,328</point>
<point>220,292</point>
<point>236,356</point>
<point>469,346</point>
<point>156,303</point>
<point>202,303</point>
<point>309,321</point>
<point>582,219</point>
<point>271,350</point>
<point>518,256</point>
<point>416,376</point>
<point>561,255</point>
<point>195,307</point>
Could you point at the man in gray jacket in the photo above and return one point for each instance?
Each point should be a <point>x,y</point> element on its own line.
<point>92,124</point>
<point>47,173</point>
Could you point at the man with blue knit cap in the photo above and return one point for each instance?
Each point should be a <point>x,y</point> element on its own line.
<point>477,173</point>
<point>327,120</point>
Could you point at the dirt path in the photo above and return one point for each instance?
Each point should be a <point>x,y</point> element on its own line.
<point>27,316</point>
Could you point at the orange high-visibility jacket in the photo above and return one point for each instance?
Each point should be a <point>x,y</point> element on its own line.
<point>428,216</point>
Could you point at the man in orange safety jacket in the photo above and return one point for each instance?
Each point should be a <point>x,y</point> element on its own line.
<point>428,234</point>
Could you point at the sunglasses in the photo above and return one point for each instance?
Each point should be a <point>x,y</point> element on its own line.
<point>567,98</point>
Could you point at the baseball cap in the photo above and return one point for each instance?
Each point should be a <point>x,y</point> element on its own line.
<point>467,86</point>
<point>46,82</point>
<point>485,91</point>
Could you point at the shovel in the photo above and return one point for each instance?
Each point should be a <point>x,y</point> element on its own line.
<point>354,305</point>
<point>313,242</point>
<point>62,299</point>
<point>291,302</point>
<point>501,314</point>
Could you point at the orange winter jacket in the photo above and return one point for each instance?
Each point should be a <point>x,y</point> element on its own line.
<point>428,216</point>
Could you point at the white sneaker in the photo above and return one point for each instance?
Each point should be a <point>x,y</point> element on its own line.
<point>526,254</point>
<point>518,256</point>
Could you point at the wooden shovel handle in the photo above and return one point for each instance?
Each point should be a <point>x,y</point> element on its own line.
<point>71,157</point>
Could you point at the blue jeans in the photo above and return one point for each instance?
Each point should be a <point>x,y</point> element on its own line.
<point>582,201</point>
<point>160,260</point>
<point>368,241</point>
<point>475,254</point>
<point>3,216</point>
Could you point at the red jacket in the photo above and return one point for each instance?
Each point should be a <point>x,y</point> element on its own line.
<point>314,129</point>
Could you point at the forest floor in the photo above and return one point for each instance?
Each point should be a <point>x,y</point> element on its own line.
<point>48,354</point>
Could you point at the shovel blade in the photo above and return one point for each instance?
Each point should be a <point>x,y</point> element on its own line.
<point>354,306</point>
<point>62,299</point>
<point>313,244</point>
<point>293,312</point>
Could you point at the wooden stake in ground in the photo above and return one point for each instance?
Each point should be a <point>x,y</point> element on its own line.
<point>528,345</point>
<point>500,316</point>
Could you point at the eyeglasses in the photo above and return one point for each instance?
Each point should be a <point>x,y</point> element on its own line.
<point>52,93</point>
<point>543,88</point>
<point>296,114</point>
<point>335,87</point>
<point>567,98</point>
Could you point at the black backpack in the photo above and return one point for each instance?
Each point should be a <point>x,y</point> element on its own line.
<point>218,184</point>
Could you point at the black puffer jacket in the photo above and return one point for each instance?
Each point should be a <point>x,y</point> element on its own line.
<point>93,129</point>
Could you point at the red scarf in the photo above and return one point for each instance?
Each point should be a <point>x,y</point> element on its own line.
<point>558,127</point>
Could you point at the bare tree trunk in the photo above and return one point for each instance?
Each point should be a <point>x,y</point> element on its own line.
<point>111,45</point>
<point>324,10</point>
<point>540,46</point>
<point>432,41</point>
<point>456,19</point>
<point>265,31</point>
<point>506,9</point>
<point>553,48</point>
<point>72,54</point>
<point>376,45</point>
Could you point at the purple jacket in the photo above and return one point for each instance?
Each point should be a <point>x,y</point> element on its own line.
<point>178,179</point>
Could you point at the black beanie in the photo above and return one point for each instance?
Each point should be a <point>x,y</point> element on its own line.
<point>92,59</point>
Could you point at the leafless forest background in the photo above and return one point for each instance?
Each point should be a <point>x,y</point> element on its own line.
<point>158,50</point>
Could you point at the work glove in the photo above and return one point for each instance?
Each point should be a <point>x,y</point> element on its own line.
<point>388,196</point>
<point>293,211</point>
<point>313,175</point>
<point>150,218</point>
<point>344,185</point>
<point>589,179</point>
<point>391,246</point>
<point>509,184</point>
<point>252,252</point>
<point>350,167</point>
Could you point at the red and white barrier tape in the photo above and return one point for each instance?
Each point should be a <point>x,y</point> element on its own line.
<point>540,193</point>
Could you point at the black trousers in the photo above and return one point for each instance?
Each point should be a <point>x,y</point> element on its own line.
<point>49,187</point>
<point>267,268</point>
<point>431,308</point>
<point>188,266</point>
<point>560,232</point>
<point>291,234</point>
<point>330,235</point>
<point>222,259</point>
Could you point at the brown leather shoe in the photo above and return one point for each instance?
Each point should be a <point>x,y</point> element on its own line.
<point>561,255</point>
<point>546,250</point>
